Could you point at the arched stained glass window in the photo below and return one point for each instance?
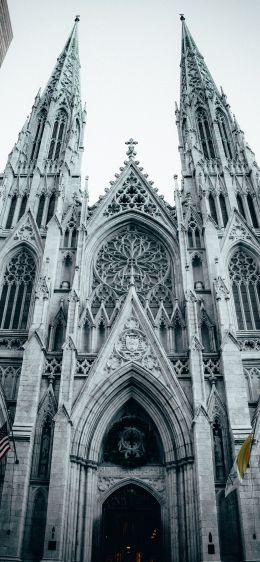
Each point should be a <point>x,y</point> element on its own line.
<point>223,208</point>
<point>245,278</point>
<point>224,134</point>
<point>58,134</point>
<point>205,134</point>
<point>240,205</point>
<point>251,207</point>
<point>212,207</point>
<point>11,212</point>
<point>17,291</point>
<point>38,135</point>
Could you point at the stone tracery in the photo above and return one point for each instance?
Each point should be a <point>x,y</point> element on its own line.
<point>132,257</point>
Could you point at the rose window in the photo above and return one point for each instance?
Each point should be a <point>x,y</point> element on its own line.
<point>132,256</point>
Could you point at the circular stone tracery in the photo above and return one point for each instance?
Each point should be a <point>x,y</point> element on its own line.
<point>132,255</point>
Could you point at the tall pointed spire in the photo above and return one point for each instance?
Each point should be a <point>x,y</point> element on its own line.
<point>65,75</point>
<point>195,75</point>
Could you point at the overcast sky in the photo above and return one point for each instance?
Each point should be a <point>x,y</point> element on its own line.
<point>130,75</point>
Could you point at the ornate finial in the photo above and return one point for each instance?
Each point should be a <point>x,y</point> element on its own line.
<point>182,18</point>
<point>77,18</point>
<point>131,153</point>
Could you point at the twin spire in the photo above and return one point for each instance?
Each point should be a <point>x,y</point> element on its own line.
<point>195,75</point>
<point>65,75</point>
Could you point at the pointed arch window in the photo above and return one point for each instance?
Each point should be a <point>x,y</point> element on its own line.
<point>16,291</point>
<point>22,206</point>
<point>38,136</point>
<point>252,212</point>
<point>51,207</point>
<point>178,338</point>
<point>205,134</point>
<point>223,207</point>
<point>194,235</point>
<point>245,278</point>
<point>58,337</point>
<point>240,205</point>
<point>58,134</point>
<point>163,332</point>
<point>11,212</point>
<point>212,208</point>
<point>224,134</point>
<point>40,210</point>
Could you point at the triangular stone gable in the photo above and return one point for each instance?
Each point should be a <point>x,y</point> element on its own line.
<point>25,231</point>
<point>131,192</point>
<point>132,342</point>
<point>71,215</point>
<point>238,231</point>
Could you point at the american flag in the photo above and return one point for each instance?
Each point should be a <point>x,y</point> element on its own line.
<point>4,441</point>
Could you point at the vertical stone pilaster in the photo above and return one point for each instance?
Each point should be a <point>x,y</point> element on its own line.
<point>16,485</point>
<point>91,490</point>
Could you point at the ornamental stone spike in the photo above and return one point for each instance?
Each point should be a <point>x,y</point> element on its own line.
<point>131,153</point>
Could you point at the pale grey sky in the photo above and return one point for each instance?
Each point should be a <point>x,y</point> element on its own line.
<point>130,55</point>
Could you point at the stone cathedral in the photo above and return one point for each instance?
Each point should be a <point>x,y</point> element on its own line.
<point>129,339</point>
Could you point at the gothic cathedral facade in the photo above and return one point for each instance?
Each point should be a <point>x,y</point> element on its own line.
<point>129,339</point>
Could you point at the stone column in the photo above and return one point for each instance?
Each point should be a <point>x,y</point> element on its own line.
<point>91,492</point>
<point>57,513</point>
<point>171,524</point>
<point>16,485</point>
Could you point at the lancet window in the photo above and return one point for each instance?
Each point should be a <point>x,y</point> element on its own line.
<point>223,207</point>
<point>212,207</point>
<point>252,212</point>
<point>12,208</point>
<point>51,207</point>
<point>205,134</point>
<point>240,205</point>
<point>40,210</point>
<point>58,134</point>
<point>224,134</point>
<point>70,235</point>
<point>38,136</point>
<point>22,206</point>
<point>16,291</point>
<point>245,278</point>
<point>219,460</point>
<point>194,235</point>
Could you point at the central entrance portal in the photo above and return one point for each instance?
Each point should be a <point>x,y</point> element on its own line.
<point>131,526</point>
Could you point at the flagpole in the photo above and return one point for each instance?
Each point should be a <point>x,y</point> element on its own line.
<point>11,426</point>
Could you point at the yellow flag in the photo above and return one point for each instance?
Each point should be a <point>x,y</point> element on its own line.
<point>240,465</point>
<point>243,456</point>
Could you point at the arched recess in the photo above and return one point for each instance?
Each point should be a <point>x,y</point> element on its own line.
<point>131,522</point>
<point>97,236</point>
<point>91,418</point>
<point>93,414</point>
<point>244,276</point>
<point>17,282</point>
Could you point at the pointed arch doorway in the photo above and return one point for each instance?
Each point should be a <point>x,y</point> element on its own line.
<point>131,526</point>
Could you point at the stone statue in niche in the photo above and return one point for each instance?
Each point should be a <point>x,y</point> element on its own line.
<point>218,452</point>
